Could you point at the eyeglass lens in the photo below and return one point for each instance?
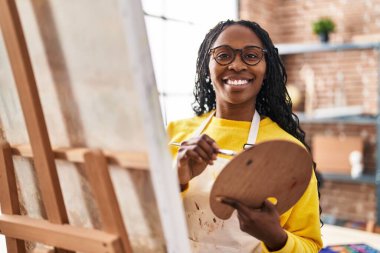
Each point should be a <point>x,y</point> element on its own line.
<point>251,55</point>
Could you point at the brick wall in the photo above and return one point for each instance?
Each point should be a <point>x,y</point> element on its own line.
<point>265,12</point>
<point>290,20</point>
<point>337,201</point>
<point>343,78</point>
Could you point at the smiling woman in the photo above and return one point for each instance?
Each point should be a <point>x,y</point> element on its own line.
<point>238,80</point>
<point>240,100</point>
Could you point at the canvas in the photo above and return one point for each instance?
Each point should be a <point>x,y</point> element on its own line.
<point>95,80</point>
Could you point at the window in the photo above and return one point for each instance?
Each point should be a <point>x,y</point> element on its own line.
<point>176,29</point>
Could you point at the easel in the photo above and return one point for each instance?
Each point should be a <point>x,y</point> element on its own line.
<point>56,232</point>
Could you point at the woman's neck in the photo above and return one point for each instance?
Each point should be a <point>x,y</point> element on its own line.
<point>235,112</point>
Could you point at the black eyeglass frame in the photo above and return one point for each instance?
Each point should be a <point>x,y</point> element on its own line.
<point>235,50</point>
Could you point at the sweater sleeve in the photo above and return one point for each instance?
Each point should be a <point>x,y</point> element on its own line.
<point>303,224</point>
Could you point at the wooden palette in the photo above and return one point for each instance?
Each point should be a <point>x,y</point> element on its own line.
<point>278,169</point>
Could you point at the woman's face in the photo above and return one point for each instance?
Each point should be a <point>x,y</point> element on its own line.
<point>237,83</point>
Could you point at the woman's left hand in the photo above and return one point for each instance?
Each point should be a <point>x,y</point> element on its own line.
<point>262,223</point>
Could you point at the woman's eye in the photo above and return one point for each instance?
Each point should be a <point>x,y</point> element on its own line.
<point>250,56</point>
<point>223,56</point>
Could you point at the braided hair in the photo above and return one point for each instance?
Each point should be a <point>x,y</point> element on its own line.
<point>272,101</point>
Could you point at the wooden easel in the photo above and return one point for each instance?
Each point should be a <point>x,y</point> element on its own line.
<point>56,230</point>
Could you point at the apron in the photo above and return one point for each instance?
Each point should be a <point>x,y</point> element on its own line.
<point>209,234</point>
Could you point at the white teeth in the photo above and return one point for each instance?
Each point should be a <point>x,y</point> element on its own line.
<point>236,82</point>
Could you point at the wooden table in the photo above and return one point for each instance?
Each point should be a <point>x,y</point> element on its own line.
<point>333,235</point>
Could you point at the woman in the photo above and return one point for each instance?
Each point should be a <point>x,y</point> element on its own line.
<point>241,100</point>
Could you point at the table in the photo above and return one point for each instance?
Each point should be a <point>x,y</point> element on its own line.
<point>333,235</point>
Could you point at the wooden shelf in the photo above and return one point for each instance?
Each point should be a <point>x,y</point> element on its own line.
<point>289,49</point>
<point>365,178</point>
<point>352,119</point>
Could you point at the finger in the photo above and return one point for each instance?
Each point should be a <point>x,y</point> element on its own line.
<point>242,217</point>
<point>210,141</point>
<point>194,140</point>
<point>227,201</point>
<point>191,154</point>
<point>188,150</point>
<point>204,150</point>
<point>214,145</point>
<point>208,149</point>
<point>207,138</point>
<point>269,206</point>
<point>208,145</point>
<point>246,212</point>
<point>197,145</point>
<point>239,206</point>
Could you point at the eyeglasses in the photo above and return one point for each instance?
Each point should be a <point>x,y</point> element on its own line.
<point>251,55</point>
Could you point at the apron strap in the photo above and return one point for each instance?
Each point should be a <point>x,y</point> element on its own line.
<point>253,131</point>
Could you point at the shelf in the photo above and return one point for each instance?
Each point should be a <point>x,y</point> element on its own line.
<point>288,49</point>
<point>367,179</point>
<point>353,119</point>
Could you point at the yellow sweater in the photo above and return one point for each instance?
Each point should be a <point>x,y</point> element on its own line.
<point>301,222</point>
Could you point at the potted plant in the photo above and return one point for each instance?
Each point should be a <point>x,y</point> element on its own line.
<point>323,27</point>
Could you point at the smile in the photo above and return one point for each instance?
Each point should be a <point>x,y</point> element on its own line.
<point>237,82</point>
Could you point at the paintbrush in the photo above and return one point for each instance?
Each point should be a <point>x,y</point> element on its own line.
<point>220,151</point>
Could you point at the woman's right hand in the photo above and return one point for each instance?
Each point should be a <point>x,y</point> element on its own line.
<point>194,155</point>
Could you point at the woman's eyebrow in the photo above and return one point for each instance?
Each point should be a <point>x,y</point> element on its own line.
<point>248,45</point>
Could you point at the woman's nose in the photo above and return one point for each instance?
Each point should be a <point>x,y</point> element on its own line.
<point>237,64</point>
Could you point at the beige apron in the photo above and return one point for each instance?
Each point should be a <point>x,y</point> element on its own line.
<point>207,233</point>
